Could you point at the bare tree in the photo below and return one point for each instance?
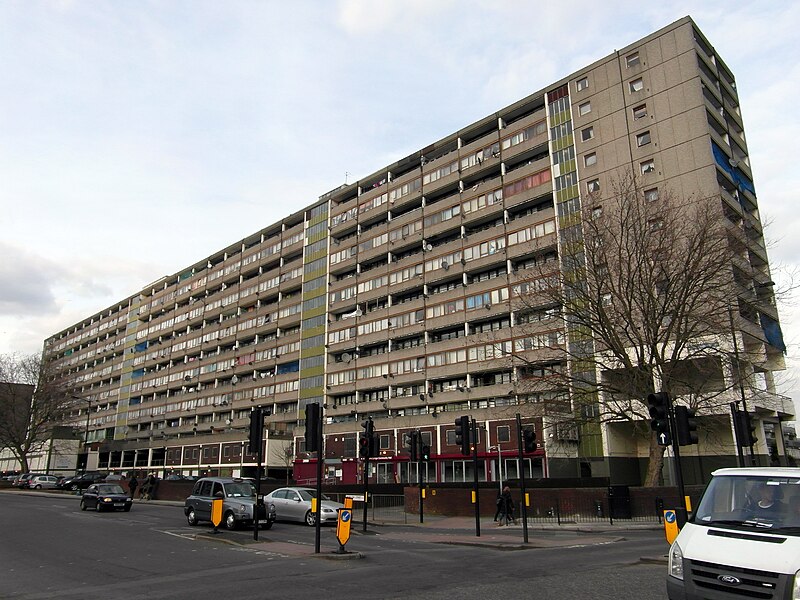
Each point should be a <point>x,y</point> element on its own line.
<point>32,401</point>
<point>287,455</point>
<point>644,292</point>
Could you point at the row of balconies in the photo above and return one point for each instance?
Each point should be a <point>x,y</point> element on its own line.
<point>480,181</point>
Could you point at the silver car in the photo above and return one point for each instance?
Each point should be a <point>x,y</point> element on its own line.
<point>294,504</point>
<point>39,482</point>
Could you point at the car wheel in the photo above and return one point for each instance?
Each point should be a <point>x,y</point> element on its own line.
<point>191,517</point>
<point>311,519</point>
<point>97,507</point>
<point>38,486</point>
<point>230,521</point>
<point>127,509</point>
<point>267,525</point>
<point>83,505</point>
<point>74,487</point>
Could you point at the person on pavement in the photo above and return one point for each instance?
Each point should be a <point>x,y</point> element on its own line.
<point>132,484</point>
<point>507,504</point>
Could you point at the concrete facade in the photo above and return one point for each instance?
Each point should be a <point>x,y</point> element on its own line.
<point>379,299</point>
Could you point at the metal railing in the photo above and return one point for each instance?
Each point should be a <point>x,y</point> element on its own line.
<point>382,508</point>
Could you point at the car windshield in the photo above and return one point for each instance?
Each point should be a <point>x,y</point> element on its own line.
<point>309,494</point>
<point>240,490</point>
<point>752,502</point>
<point>110,489</point>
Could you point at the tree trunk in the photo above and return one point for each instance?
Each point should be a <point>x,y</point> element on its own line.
<point>656,462</point>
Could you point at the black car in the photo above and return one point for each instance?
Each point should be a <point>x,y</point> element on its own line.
<point>82,481</point>
<point>106,496</point>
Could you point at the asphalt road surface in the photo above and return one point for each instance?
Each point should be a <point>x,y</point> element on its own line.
<point>51,549</point>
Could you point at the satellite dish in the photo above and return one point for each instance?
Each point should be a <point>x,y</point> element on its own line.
<point>228,421</point>
<point>347,357</point>
<point>428,247</point>
<point>445,265</point>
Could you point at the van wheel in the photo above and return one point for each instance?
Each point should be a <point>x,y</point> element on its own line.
<point>311,519</point>
<point>191,517</point>
<point>230,521</point>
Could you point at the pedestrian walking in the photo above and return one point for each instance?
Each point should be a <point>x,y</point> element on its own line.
<point>499,510</point>
<point>132,485</point>
<point>507,505</point>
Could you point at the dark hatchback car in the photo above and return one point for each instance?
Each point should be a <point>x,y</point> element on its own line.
<point>106,496</point>
<point>82,481</point>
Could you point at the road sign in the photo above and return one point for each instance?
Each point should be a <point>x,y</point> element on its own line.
<point>343,526</point>
<point>216,512</point>
<point>670,525</point>
<point>664,439</point>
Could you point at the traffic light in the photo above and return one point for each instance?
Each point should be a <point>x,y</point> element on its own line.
<point>256,430</point>
<point>685,426</point>
<point>529,439</point>
<point>658,404</point>
<point>426,453</point>
<point>411,443</point>
<point>745,430</point>
<point>462,434</point>
<point>313,426</point>
<point>366,440</point>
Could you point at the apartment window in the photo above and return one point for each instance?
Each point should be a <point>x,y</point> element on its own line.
<point>643,139</point>
<point>632,60</point>
<point>648,166</point>
<point>639,112</point>
<point>503,433</point>
<point>593,186</point>
<point>637,85</point>
<point>651,195</point>
<point>590,159</point>
<point>587,134</point>
<point>582,83</point>
<point>585,108</point>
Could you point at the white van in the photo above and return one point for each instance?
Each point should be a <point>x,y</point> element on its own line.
<point>743,541</point>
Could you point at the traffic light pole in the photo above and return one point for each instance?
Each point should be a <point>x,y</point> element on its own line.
<point>366,489</point>
<point>318,520</point>
<point>681,511</point>
<point>259,499</point>
<point>474,436</point>
<point>739,377</point>
<point>737,441</point>
<point>522,480</point>
<point>419,479</point>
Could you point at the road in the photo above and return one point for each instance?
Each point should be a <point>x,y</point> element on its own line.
<point>51,549</point>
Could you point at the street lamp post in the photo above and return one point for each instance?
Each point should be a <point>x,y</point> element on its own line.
<point>499,465</point>
<point>86,428</point>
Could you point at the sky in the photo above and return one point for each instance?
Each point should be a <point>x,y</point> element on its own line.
<point>138,138</point>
